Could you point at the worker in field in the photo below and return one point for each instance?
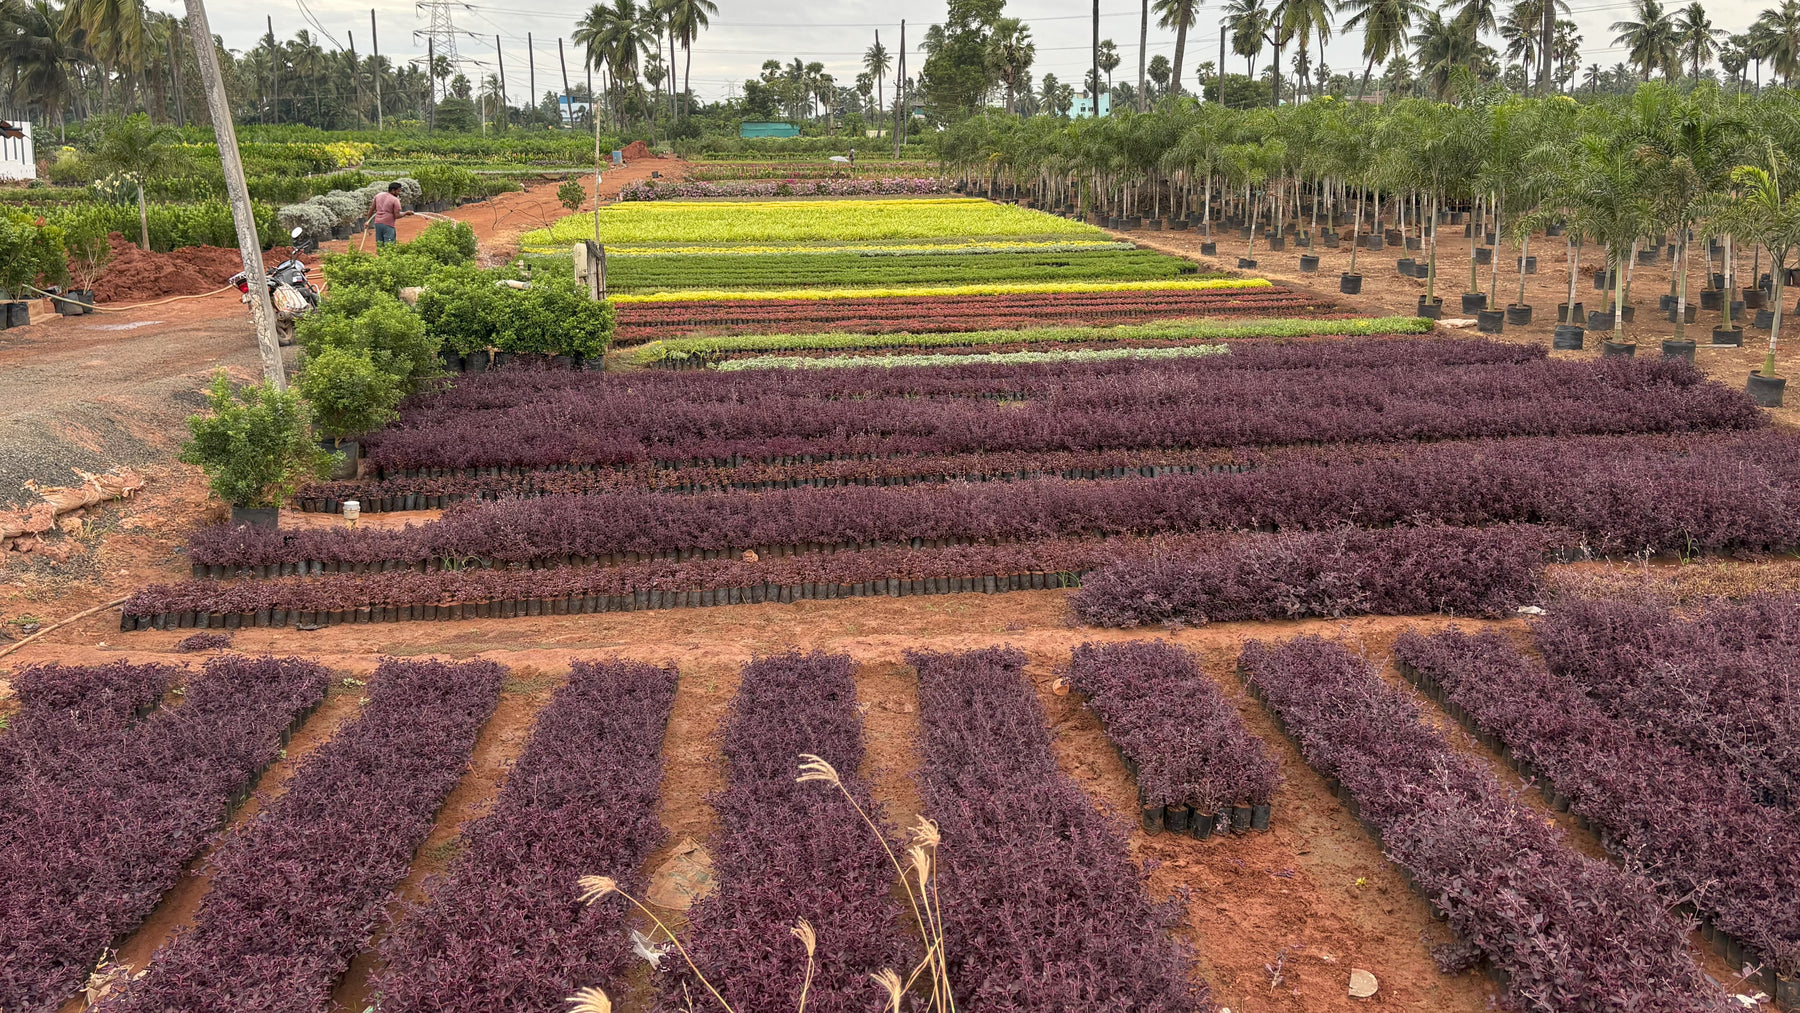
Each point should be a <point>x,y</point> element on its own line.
<point>385,212</point>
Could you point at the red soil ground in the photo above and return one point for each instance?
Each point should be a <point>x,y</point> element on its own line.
<point>136,275</point>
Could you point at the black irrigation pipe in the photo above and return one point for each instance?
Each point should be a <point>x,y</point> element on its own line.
<point>1785,990</point>
<point>636,601</point>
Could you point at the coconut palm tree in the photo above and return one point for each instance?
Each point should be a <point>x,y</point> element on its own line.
<point>1245,20</point>
<point>687,19</point>
<point>1306,20</point>
<point>1696,37</point>
<point>1777,32</point>
<point>116,33</point>
<point>1649,38</point>
<point>1386,26</point>
<point>1180,15</point>
<point>1445,46</point>
<point>877,63</point>
<point>43,66</point>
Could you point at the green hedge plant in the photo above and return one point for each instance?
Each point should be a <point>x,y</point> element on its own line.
<point>348,393</point>
<point>369,320</point>
<point>256,445</point>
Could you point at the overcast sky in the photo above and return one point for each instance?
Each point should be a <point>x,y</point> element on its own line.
<point>835,34</point>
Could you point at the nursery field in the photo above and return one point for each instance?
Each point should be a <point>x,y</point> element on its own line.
<point>938,604</point>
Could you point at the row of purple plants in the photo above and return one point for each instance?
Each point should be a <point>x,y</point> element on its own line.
<point>1042,907</point>
<point>777,188</point>
<point>655,584</point>
<point>1149,408</point>
<point>1620,494</point>
<point>499,932</point>
<point>61,712</point>
<point>297,892</point>
<point>1565,931</point>
<point>1691,824</point>
<point>591,392</point>
<point>1720,683</point>
<point>1187,745</point>
<point>442,487</point>
<point>93,841</point>
<point>788,851</point>
<point>1348,571</point>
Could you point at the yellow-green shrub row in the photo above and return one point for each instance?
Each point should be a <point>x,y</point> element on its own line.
<point>800,221</point>
<point>947,292</point>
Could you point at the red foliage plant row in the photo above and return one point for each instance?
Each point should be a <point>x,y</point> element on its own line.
<point>604,397</point>
<point>1043,908</point>
<point>1188,742</point>
<point>1721,683</point>
<point>61,713</point>
<point>646,321</point>
<point>1349,571</point>
<point>422,492</point>
<point>1567,932</point>
<point>1692,823</point>
<point>296,892</point>
<point>91,842</point>
<point>1150,408</point>
<point>656,584</point>
<point>1736,492</point>
<point>500,932</point>
<point>787,851</point>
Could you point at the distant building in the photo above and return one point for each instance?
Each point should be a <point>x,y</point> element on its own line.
<point>1084,105</point>
<point>17,159</point>
<point>768,130</point>
<point>573,111</point>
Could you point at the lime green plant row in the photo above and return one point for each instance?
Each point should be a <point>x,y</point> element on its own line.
<point>972,245</point>
<point>990,359</point>
<point>709,349</point>
<point>797,221</point>
<point>813,270</point>
<point>949,291</point>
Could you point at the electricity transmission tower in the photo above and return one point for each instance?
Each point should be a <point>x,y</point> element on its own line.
<point>439,33</point>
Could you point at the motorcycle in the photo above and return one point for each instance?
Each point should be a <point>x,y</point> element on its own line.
<point>289,289</point>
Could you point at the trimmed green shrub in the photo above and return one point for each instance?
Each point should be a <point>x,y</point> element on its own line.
<point>257,445</point>
<point>373,321</point>
<point>449,243</point>
<point>389,271</point>
<point>555,317</point>
<point>31,253</point>
<point>348,393</point>
<point>465,308</point>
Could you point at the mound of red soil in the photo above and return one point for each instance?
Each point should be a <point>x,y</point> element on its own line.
<point>135,275</point>
<point>635,150</point>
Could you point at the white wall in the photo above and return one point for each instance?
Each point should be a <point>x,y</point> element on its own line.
<point>17,158</point>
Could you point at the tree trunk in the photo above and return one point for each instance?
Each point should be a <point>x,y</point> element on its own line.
<point>143,218</point>
<point>1778,264</point>
<point>1180,53</point>
<point>1143,46</point>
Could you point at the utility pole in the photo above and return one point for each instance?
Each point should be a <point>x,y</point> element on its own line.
<point>1143,45</point>
<point>431,82</point>
<point>1221,75</point>
<point>355,78</point>
<point>375,44</point>
<point>900,91</point>
<point>274,66</point>
<point>502,58</point>
<point>1094,88</point>
<point>567,101</point>
<point>531,70</point>
<point>262,311</point>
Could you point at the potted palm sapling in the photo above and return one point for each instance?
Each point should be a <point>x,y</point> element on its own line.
<point>256,447</point>
<point>1758,210</point>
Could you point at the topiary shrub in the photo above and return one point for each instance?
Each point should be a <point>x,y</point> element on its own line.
<point>368,319</point>
<point>390,270</point>
<point>465,309</point>
<point>449,243</point>
<point>556,317</point>
<point>348,393</point>
<point>257,445</point>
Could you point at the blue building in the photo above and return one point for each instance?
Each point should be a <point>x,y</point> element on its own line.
<point>1084,105</point>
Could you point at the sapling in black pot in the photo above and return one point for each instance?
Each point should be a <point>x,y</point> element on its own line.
<point>349,396</point>
<point>1761,212</point>
<point>256,448</point>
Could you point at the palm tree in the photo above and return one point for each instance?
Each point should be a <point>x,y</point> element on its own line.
<point>1109,61</point>
<point>1480,13</point>
<point>1696,36</point>
<point>115,32</point>
<point>1522,28</point>
<point>876,62</point>
<point>1445,45</point>
<point>144,150</point>
<point>1180,15</point>
<point>1306,20</point>
<point>43,64</point>
<point>1009,56</point>
<point>1650,39</point>
<point>1593,77</point>
<point>1779,35</point>
<point>1385,25</point>
<point>1757,210</point>
<point>1246,20</point>
<point>687,19</point>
